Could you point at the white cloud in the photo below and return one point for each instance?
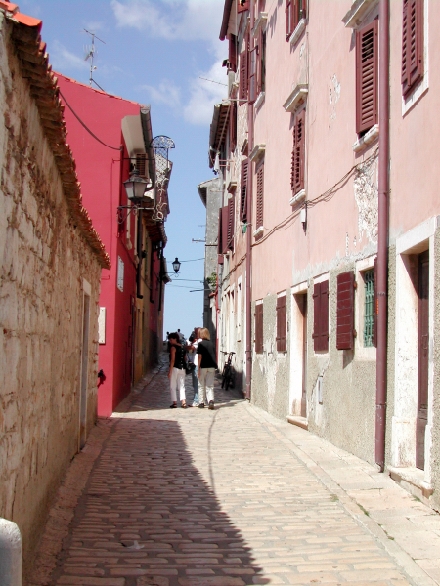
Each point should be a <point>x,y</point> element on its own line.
<point>179,19</point>
<point>61,58</point>
<point>204,94</point>
<point>164,93</point>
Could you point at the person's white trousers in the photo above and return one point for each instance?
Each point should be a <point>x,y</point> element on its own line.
<point>177,381</point>
<point>206,385</point>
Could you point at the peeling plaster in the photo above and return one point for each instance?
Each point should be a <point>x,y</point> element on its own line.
<point>365,193</point>
<point>334,95</point>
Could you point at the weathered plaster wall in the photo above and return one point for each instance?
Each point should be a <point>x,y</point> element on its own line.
<point>270,370</point>
<point>435,449</point>
<point>43,261</point>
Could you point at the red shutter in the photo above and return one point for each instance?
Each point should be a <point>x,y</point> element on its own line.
<point>243,202</point>
<point>412,44</point>
<point>298,154</point>
<point>281,324</point>
<point>320,316</point>
<point>260,196</point>
<point>259,328</point>
<point>244,57</point>
<point>225,225</point>
<point>260,64</point>
<point>366,77</point>
<point>231,222</point>
<point>219,238</point>
<point>288,18</point>
<point>242,5</point>
<point>233,125</point>
<point>345,311</point>
<point>252,80</point>
<point>232,52</point>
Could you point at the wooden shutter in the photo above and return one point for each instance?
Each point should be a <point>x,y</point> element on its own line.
<point>252,79</point>
<point>220,233</point>
<point>231,222</point>
<point>243,199</point>
<point>260,63</point>
<point>289,18</point>
<point>298,153</point>
<point>412,44</point>
<point>375,308</point>
<point>281,324</point>
<point>225,224</point>
<point>233,125</point>
<point>345,311</point>
<point>141,165</point>
<point>232,52</point>
<point>260,196</point>
<point>242,5</point>
<point>259,328</point>
<point>366,78</point>
<point>320,316</point>
<point>244,58</point>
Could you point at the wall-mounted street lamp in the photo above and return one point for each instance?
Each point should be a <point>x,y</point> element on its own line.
<point>140,194</point>
<point>176,266</point>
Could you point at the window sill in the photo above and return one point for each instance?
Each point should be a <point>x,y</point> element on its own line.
<point>258,232</point>
<point>358,11</point>
<point>298,197</point>
<point>299,29</point>
<point>260,100</point>
<point>297,97</point>
<point>367,139</point>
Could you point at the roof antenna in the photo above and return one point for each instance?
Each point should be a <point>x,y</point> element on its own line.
<point>91,51</point>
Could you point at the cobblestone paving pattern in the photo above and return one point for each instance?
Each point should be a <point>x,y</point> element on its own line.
<point>197,497</point>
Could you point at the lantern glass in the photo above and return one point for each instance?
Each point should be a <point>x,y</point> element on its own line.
<point>176,265</point>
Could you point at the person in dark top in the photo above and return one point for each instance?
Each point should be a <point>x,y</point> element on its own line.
<point>176,373</point>
<point>207,368</point>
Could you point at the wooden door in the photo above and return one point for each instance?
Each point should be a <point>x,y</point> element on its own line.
<point>423,355</point>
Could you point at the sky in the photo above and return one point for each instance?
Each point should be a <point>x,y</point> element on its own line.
<point>154,52</point>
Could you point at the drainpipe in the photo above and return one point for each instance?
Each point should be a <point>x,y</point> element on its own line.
<point>248,290</point>
<point>382,235</point>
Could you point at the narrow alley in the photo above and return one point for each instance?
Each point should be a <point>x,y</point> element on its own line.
<point>227,497</point>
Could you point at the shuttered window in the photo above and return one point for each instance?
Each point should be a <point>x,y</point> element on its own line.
<point>298,153</point>
<point>295,11</point>
<point>252,81</point>
<point>321,317</point>
<point>232,52</point>
<point>225,228</point>
<point>260,196</point>
<point>141,165</point>
<point>243,199</point>
<point>242,5</point>
<point>281,324</point>
<point>231,223</point>
<point>366,78</point>
<point>345,311</point>
<point>219,238</point>
<point>233,125</point>
<point>259,328</point>
<point>369,309</point>
<point>412,44</point>
<point>244,63</point>
<point>375,308</point>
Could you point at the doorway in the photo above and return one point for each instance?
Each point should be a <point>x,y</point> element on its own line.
<point>298,355</point>
<point>84,371</point>
<point>423,356</point>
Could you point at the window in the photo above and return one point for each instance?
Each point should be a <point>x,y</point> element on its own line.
<point>412,44</point>
<point>345,311</point>
<point>244,63</point>
<point>298,153</point>
<point>366,78</point>
<point>233,125</point>
<point>295,12</point>
<point>257,67</point>
<point>231,223</point>
<point>260,196</point>
<point>320,317</point>
<point>243,199</point>
<point>369,316</point>
<point>232,61</point>
<point>281,323</point>
<point>259,328</point>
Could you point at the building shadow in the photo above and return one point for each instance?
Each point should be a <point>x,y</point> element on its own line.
<point>148,515</point>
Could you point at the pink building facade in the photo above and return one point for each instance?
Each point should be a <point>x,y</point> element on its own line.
<point>328,236</point>
<point>109,136</point>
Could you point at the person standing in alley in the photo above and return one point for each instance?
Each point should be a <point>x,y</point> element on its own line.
<point>193,360</point>
<point>176,372</point>
<point>207,365</point>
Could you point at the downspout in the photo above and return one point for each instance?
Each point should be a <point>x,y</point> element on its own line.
<point>382,235</point>
<point>248,290</point>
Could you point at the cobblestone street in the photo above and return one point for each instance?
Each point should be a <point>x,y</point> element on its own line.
<point>228,497</point>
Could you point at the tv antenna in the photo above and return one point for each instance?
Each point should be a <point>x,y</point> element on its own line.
<point>91,52</point>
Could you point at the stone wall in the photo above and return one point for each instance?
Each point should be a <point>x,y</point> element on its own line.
<point>48,272</point>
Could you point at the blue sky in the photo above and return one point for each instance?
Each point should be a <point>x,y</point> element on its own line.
<point>155,52</point>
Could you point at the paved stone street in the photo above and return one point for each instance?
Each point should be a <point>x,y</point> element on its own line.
<point>228,497</point>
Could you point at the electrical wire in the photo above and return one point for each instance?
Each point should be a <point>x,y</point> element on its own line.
<point>86,127</point>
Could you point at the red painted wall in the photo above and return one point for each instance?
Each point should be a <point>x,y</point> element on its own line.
<point>101,173</point>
